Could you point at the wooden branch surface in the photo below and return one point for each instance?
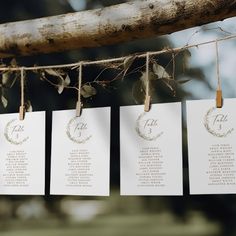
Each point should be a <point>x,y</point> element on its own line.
<point>111,25</point>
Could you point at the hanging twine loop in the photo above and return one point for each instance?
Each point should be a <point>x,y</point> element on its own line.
<point>147,90</point>
<point>79,104</point>
<point>22,106</point>
<point>219,99</point>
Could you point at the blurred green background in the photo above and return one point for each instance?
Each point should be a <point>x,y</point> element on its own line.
<point>115,215</point>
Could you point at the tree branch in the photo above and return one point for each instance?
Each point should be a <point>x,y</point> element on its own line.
<point>110,25</point>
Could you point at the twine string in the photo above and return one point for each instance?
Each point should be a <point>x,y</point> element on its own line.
<point>22,87</point>
<point>118,59</point>
<point>79,104</point>
<point>219,99</point>
<point>22,95</point>
<point>147,89</point>
<point>147,76</point>
<point>217,67</point>
<point>79,83</point>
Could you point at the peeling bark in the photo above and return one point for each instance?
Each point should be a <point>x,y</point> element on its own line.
<point>110,25</point>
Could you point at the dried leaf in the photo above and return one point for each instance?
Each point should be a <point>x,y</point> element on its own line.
<point>12,82</point>
<point>59,74</point>
<point>67,80</point>
<point>171,85</point>
<point>88,91</point>
<point>60,88</point>
<point>3,65</point>
<point>28,106</point>
<point>151,76</point>
<point>186,58</point>
<point>42,75</point>
<point>30,109</point>
<point>13,62</point>
<point>127,63</point>
<point>138,92</point>
<point>8,79</point>
<point>4,101</point>
<point>52,72</point>
<point>182,81</point>
<point>166,82</point>
<point>5,77</point>
<point>160,71</point>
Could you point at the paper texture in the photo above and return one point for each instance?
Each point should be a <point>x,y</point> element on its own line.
<point>81,152</point>
<point>151,150</point>
<point>22,152</point>
<point>211,146</point>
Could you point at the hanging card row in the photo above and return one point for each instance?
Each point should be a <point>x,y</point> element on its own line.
<point>150,150</point>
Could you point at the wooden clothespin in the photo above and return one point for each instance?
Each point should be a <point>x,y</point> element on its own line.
<point>79,106</point>
<point>22,112</point>
<point>219,99</point>
<point>147,103</point>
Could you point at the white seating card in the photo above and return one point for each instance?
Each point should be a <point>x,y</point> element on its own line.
<point>80,159</point>
<point>212,146</point>
<point>22,154</point>
<point>151,150</point>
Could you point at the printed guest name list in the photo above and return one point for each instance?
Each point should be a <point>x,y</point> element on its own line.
<point>151,150</point>
<point>80,152</point>
<point>22,163</point>
<point>212,147</point>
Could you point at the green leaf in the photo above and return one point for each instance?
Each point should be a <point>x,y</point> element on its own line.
<point>4,101</point>
<point>88,91</point>
<point>160,71</point>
